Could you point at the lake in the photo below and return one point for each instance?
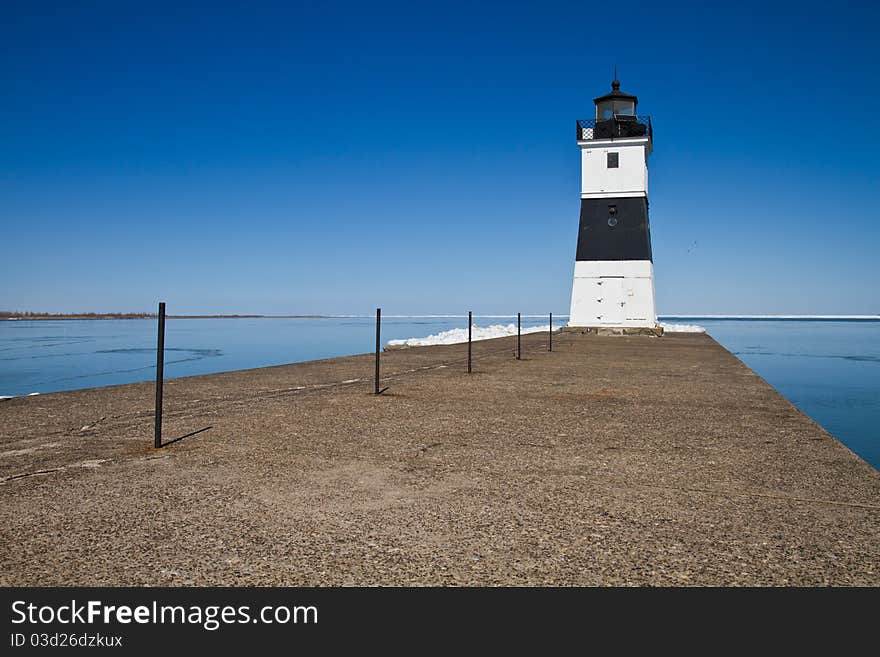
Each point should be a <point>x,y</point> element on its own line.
<point>829,369</point>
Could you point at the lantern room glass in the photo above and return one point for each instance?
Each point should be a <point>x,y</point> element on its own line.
<point>607,109</point>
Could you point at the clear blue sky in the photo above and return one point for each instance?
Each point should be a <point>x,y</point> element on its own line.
<point>261,157</point>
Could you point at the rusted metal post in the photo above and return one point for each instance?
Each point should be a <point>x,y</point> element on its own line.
<point>551,332</point>
<point>378,342</point>
<point>470,321</point>
<point>160,376</point>
<point>518,336</point>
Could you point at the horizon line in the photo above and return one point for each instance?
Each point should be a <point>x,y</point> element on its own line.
<point>88,315</point>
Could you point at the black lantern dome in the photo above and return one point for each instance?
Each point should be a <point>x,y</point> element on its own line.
<point>615,104</point>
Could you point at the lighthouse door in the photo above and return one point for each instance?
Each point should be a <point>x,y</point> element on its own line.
<point>612,300</point>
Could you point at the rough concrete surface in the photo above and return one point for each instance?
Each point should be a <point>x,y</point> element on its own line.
<point>610,461</point>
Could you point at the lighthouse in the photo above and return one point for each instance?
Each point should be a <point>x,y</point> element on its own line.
<point>613,269</point>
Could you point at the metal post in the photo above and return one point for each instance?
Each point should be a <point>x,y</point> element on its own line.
<point>551,331</point>
<point>518,336</point>
<point>378,340</point>
<point>160,376</point>
<point>470,319</point>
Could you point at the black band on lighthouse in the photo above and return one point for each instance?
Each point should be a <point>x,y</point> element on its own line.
<point>614,229</point>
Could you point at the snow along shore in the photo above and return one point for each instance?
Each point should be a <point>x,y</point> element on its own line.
<point>459,335</point>
<point>681,328</point>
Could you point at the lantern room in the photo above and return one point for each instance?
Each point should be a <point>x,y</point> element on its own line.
<point>615,104</point>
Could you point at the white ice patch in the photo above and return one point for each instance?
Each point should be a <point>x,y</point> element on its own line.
<point>3,397</point>
<point>682,328</point>
<point>459,335</point>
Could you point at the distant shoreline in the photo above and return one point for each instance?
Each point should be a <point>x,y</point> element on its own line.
<point>779,318</point>
<point>99,316</point>
<point>105,316</point>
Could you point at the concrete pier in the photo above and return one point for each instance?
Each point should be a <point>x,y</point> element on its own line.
<point>614,460</point>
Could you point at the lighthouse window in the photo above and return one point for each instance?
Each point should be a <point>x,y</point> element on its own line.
<point>612,215</point>
<point>613,160</point>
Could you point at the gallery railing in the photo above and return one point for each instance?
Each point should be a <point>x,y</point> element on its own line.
<point>619,127</point>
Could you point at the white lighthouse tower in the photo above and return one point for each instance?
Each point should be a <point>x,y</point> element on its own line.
<point>613,271</point>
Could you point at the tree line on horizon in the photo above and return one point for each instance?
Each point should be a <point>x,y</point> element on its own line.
<point>15,314</point>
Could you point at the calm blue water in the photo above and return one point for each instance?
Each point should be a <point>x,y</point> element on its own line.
<point>48,356</point>
<point>829,369</point>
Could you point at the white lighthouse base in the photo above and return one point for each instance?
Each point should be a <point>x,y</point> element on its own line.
<point>613,293</point>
